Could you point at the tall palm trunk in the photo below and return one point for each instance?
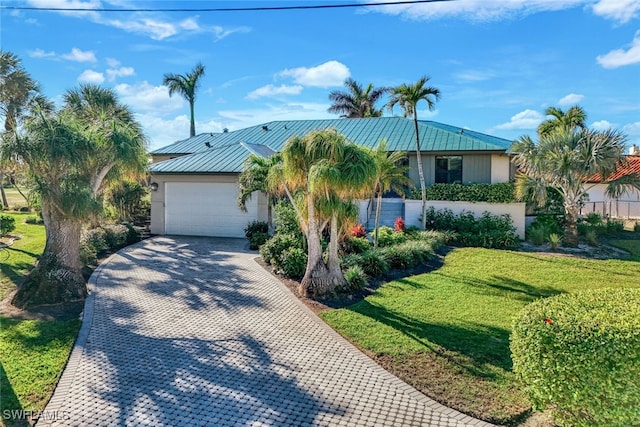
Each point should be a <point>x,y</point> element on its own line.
<point>57,276</point>
<point>333,263</point>
<point>316,276</point>
<point>377,222</point>
<point>5,203</point>
<point>571,227</point>
<point>423,188</point>
<point>192,131</point>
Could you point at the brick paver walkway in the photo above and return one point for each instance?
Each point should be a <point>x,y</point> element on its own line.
<point>192,331</point>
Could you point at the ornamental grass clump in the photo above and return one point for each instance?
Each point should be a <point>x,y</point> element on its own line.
<point>578,355</point>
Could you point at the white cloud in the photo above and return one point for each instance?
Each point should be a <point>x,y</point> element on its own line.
<point>618,10</point>
<point>475,75</point>
<point>221,32</point>
<point>189,24</point>
<point>331,73</point>
<point>620,57</point>
<point>90,76</point>
<point>527,119</point>
<point>39,53</point>
<point>632,129</point>
<point>155,29</point>
<point>113,63</point>
<point>237,119</point>
<point>148,98</point>
<point>477,10</point>
<point>571,99</point>
<point>79,55</point>
<point>69,4</point>
<point>271,90</point>
<point>601,125</point>
<point>113,73</point>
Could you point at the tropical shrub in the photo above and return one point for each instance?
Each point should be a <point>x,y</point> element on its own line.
<point>358,231</point>
<point>387,236</point>
<point>292,262</point>
<point>579,355</point>
<point>399,225</point>
<point>7,224</point>
<point>408,254</point>
<point>258,239</point>
<point>34,220</point>
<point>503,192</point>
<point>272,248</point>
<point>95,238</point>
<point>355,245</point>
<point>356,278</point>
<point>374,263</point>
<point>129,200</point>
<point>255,227</point>
<point>636,227</point>
<point>543,226</point>
<point>115,236</point>
<point>488,231</point>
<point>555,240</point>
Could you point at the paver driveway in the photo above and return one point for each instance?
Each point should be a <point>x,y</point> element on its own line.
<point>192,331</point>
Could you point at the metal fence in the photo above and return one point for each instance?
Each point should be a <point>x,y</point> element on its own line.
<point>613,209</point>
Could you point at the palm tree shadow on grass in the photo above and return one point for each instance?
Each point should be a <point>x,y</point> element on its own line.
<point>484,347</point>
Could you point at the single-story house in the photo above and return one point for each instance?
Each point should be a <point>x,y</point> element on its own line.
<point>625,206</point>
<point>195,181</point>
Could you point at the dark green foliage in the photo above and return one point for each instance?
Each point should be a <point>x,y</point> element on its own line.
<point>34,220</point>
<point>130,200</point>
<point>292,262</point>
<point>115,236</point>
<point>355,245</point>
<point>96,239</point>
<point>7,224</point>
<point>100,241</point>
<point>286,220</point>
<point>272,248</point>
<point>579,355</point>
<point>256,227</point>
<point>408,254</point>
<point>356,278</point>
<point>593,223</point>
<point>374,263</point>
<point>487,231</point>
<point>636,227</point>
<point>258,239</point>
<point>503,192</point>
<point>543,226</point>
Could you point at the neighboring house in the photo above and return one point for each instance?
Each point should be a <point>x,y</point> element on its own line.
<point>625,206</point>
<point>196,180</point>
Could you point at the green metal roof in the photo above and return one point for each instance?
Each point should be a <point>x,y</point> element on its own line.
<point>188,146</point>
<point>229,150</point>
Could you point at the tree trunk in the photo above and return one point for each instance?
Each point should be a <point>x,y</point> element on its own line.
<point>423,188</point>
<point>57,276</point>
<point>316,280</point>
<point>377,222</point>
<point>335,271</point>
<point>571,227</point>
<point>192,131</point>
<point>5,203</point>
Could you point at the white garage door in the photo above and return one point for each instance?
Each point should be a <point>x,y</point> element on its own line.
<point>206,209</point>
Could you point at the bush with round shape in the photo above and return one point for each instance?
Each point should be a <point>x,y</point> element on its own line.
<point>356,278</point>
<point>273,247</point>
<point>374,263</point>
<point>255,227</point>
<point>356,245</point>
<point>579,356</point>
<point>292,262</point>
<point>387,236</point>
<point>258,239</point>
<point>7,224</point>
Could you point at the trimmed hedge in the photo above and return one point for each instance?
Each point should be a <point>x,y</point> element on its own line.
<point>7,224</point>
<point>503,192</point>
<point>579,355</point>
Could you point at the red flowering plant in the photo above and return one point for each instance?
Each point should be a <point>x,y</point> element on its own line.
<point>399,225</point>
<point>358,231</point>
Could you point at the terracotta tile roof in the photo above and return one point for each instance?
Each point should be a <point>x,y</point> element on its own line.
<point>632,166</point>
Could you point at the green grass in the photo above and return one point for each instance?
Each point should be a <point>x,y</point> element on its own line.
<point>32,353</point>
<point>631,246</point>
<point>447,332</point>
<point>19,258</point>
<point>14,198</point>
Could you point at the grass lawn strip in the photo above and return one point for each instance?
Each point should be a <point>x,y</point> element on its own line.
<point>32,352</point>
<point>447,332</point>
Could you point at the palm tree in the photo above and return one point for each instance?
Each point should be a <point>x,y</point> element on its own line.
<point>356,102</point>
<point>187,86</point>
<point>390,175</point>
<point>408,96</point>
<point>18,91</point>
<point>72,153</point>
<point>574,117</point>
<point>563,161</point>
<point>255,176</point>
<point>324,170</point>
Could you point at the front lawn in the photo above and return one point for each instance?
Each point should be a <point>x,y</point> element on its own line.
<point>447,332</point>
<point>32,352</point>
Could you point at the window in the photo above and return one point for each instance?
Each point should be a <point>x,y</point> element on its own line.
<point>448,169</point>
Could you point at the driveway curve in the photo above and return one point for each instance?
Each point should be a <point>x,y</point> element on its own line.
<point>193,332</point>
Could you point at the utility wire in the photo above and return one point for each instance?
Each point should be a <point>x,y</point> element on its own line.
<point>223,9</point>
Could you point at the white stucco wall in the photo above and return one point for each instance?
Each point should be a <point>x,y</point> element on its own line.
<point>500,168</point>
<point>626,206</point>
<point>413,211</point>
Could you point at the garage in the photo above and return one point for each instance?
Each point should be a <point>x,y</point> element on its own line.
<point>206,209</point>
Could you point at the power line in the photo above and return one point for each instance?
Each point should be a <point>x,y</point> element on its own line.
<point>223,9</point>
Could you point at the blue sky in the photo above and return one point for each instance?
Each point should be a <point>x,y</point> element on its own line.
<point>498,63</point>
